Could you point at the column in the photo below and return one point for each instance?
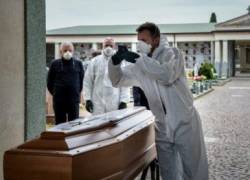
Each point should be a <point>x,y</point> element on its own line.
<point>94,46</point>
<point>133,46</point>
<point>212,52</point>
<point>12,72</point>
<point>176,44</point>
<point>22,71</point>
<point>35,66</point>
<point>217,60</point>
<point>225,59</point>
<point>57,50</point>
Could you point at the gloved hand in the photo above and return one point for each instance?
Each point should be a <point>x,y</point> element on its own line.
<point>116,58</point>
<point>89,106</point>
<point>122,105</point>
<point>130,56</point>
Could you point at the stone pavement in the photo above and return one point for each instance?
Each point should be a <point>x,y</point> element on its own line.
<point>225,117</point>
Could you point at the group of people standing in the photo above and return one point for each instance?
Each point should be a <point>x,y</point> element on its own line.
<point>156,73</point>
<point>67,79</point>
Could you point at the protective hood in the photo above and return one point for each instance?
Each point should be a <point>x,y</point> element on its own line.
<point>163,44</point>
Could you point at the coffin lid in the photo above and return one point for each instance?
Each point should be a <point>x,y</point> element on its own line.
<point>91,130</point>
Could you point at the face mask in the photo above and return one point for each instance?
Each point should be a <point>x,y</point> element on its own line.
<point>67,55</point>
<point>143,47</point>
<point>108,51</point>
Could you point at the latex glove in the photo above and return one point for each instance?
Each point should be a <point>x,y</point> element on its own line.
<point>89,106</point>
<point>122,105</point>
<point>117,58</point>
<point>130,56</point>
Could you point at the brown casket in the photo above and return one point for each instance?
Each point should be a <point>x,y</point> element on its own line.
<point>115,145</point>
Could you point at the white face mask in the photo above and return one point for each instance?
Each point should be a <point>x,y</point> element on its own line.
<point>143,47</point>
<point>108,51</point>
<point>67,55</point>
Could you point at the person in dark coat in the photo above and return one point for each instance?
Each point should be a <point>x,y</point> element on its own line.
<point>64,82</point>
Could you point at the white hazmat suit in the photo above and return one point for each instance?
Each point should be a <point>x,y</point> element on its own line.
<point>179,137</point>
<point>98,87</point>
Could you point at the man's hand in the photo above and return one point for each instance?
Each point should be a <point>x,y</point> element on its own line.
<point>122,105</point>
<point>117,57</point>
<point>124,53</point>
<point>89,106</point>
<point>130,56</point>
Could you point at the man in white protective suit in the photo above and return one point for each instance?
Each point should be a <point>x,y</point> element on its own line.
<point>159,70</point>
<point>99,94</point>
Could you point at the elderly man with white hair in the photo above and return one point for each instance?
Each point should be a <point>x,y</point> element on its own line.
<point>100,95</point>
<point>64,82</point>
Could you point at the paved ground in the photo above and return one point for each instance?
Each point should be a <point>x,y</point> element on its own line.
<point>226,124</point>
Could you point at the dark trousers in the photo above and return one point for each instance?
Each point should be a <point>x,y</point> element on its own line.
<point>65,111</point>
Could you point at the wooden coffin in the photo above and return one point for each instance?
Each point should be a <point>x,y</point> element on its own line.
<point>115,145</point>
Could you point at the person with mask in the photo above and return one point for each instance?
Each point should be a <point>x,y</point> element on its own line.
<point>64,82</point>
<point>159,70</point>
<point>99,94</point>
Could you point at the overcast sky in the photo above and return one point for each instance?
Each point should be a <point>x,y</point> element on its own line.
<point>64,13</point>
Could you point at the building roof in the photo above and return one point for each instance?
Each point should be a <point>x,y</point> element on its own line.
<point>238,23</point>
<point>131,29</point>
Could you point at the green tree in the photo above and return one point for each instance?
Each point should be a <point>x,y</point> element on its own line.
<point>213,18</point>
